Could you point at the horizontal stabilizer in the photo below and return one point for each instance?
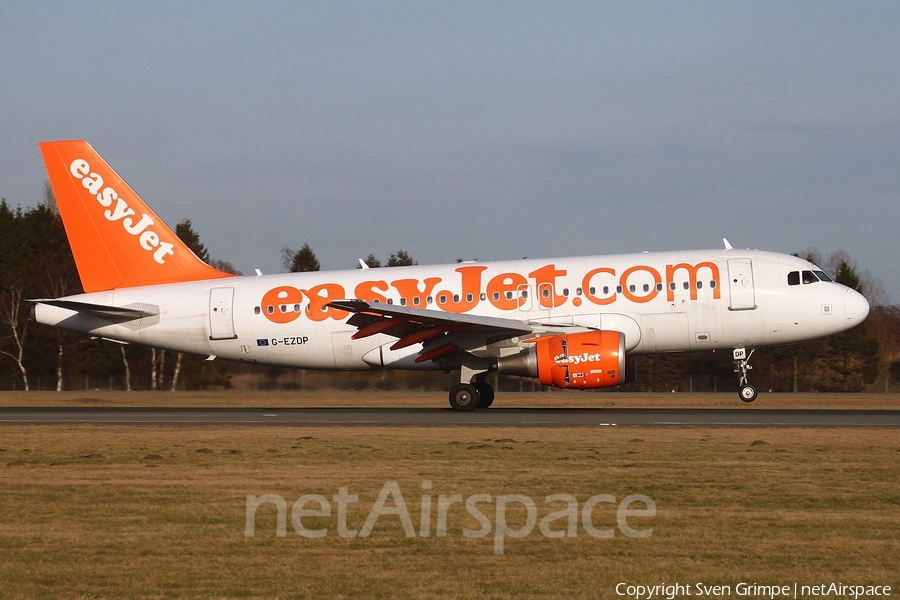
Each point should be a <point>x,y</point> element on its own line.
<point>117,313</point>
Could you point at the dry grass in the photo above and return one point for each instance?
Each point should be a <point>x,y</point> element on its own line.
<point>554,399</point>
<point>159,512</point>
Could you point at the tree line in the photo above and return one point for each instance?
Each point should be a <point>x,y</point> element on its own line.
<point>36,262</point>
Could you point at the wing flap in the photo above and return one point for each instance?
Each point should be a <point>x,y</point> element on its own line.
<point>437,330</point>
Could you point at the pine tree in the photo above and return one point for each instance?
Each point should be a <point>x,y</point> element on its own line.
<point>401,259</point>
<point>185,232</point>
<point>304,260</point>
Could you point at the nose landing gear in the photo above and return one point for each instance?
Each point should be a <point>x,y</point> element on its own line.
<point>747,392</point>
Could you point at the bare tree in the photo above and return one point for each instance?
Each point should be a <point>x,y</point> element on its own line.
<point>177,371</point>
<point>56,285</point>
<point>157,369</point>
<point>17,324</point>
<point>127,369</point>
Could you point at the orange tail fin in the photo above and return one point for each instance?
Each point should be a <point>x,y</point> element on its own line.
<point>116,239</point>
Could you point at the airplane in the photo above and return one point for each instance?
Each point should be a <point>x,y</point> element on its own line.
<point>571,323</point>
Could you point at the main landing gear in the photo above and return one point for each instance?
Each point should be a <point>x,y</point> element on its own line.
<point>747,392</point>
<point>469,396</point>
<point>472,391</point>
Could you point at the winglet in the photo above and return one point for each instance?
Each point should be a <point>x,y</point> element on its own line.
<point>727,244</point>
<point>117,241</point>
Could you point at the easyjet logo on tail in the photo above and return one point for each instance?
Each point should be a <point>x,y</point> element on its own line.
<point>117,210</point>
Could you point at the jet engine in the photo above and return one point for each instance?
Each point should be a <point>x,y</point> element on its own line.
<point>581,361</point>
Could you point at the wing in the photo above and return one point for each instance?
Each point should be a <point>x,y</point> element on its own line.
<point>439,332</point>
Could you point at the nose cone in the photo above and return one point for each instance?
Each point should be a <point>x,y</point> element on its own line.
<point>857,308</point>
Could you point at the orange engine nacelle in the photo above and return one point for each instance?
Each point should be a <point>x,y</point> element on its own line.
<point>592,359</point>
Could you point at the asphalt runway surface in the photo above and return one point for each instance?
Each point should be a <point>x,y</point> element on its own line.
<point>430,417</point>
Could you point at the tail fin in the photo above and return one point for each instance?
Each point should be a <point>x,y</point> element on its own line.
<point>116,239</point>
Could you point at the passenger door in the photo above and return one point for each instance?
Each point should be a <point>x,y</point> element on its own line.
<point>740,284</point>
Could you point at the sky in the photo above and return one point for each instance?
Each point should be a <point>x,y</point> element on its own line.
<point>488,130</point>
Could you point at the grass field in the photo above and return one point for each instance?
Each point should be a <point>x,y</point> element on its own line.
<point>160,512</point>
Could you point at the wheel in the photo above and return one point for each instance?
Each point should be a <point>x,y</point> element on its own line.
<point>486,392</point>
<point>747,393</point>
<point>464,396</point>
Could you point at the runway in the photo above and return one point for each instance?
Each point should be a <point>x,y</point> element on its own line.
<point>431,417</point>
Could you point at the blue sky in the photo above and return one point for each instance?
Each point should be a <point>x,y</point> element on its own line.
<point>463,130</point>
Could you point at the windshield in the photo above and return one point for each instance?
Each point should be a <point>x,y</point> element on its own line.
<point>807,277</point>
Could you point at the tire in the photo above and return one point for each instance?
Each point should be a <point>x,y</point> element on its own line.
<point>486,392</point>
<point>464,397</point>
<point>747,393</point>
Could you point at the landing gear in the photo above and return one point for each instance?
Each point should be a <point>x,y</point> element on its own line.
<point>472,392</point>
<point>469,396</point>
<point>486,392</point>
<point>747,392</point>
<point>464,396</point>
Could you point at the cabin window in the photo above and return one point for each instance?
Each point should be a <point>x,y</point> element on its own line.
<point>270,309</point>
<point>566,292</point>
<point>469,297</point>
<point>456,297</point>
<point>429,300</point>
<point>658,287</point>
<point>442,299</point>
<point>606,290</point>
<point>619,289</point>
<point>390,300</point>
<point>416,301</point>
<point>296,308</point>
<point>687,285</point>
<point>483,296</point>
<point>402,301</point>
<point>672,286</point>
<point>495,296</point>
<point>577,291</point>
<point>712,283</point>
<point>631,288</point>
<point>646,287</point>
<point>699,285</point>
<point>256,310</point>
<point>545,293</point>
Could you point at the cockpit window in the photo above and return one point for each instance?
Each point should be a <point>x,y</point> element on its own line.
<point>794,277</point>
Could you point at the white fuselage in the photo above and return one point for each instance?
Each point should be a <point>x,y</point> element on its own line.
<point>662,302</point>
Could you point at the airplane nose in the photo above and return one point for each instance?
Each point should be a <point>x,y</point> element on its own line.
<point>857,308</point>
